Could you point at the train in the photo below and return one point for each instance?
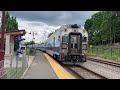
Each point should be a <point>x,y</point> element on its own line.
<point>69,43</point>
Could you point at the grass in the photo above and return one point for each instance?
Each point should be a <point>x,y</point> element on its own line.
<point>12,73</point>
<point>107,53</point>
<point>27,51</point>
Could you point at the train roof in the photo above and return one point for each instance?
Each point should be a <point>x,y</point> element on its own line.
<point>72,26</point>
<point>66,26</point>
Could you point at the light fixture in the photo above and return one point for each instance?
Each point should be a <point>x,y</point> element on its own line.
<point>74,30</point>
<point>65,30</point>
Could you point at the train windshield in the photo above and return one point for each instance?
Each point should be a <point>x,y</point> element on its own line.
<point>75,26</point>
<point>73,40</point>
<point>65,39</point>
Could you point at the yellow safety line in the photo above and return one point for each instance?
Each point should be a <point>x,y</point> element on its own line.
<point>58,69</point>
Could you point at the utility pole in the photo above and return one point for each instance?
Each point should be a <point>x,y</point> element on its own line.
<point>2,52</point>
<point>33,39</point>
<point>110,35</point>
<point>33,33</point>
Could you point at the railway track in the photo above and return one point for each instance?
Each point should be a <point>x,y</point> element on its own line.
<point>72,72</point>
<point>80,72</point>
<point>104,62</point>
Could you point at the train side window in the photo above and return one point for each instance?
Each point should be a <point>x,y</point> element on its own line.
<point>58,38</point>
<point>65,39</point>
<point>45,44</point>
<point>49,46</point>
<point>84,39</point>
<point>54,39</point>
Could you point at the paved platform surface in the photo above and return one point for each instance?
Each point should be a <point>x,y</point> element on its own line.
<point>40,69</point>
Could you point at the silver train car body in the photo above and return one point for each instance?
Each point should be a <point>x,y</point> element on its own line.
<point>69,43</point>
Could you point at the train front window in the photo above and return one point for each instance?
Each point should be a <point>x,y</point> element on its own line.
<point>65,39</point>
<point>73,40</point>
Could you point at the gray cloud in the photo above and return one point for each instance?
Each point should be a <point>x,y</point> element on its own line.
<point>54,17</point>
<point>47,21</point>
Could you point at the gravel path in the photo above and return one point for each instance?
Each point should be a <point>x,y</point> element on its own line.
<point>105,59</point>
<point>85,73</point>
<point>108,71</point>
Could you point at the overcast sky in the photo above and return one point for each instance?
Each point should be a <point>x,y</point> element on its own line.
<point>43,22</point>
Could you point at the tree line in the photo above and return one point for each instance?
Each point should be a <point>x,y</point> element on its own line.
<point>104,28</point>
<point>11,24</point>
<point>29,43</point>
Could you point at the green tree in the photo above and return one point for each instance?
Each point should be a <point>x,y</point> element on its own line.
<point>10,22</point>
<point>50,34</point>
<point>31,43</point>
<point>11,25</point>
<point>104,27</point>
<point>88,24</point>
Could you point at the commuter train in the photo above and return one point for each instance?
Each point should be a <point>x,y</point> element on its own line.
<point>69,43</point>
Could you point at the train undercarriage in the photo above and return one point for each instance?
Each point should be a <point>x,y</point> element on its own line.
<point>71,58</point>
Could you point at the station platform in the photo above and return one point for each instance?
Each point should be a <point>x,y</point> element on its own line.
<point>44,67</point>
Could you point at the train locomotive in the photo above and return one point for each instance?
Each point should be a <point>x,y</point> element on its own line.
<point>69,43</point>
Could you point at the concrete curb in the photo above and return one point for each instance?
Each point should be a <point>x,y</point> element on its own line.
<point>27,69</point>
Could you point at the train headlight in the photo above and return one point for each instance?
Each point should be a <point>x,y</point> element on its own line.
<point>62,52</point>
<point>75,30</point>
<point>83,54</point>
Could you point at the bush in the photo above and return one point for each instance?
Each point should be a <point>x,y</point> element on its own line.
<point>32,51</point>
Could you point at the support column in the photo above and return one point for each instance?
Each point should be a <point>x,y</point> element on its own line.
<point>7,45</point>
<point>2,52</point>
<point>12,47</point>
<point>7,52</point>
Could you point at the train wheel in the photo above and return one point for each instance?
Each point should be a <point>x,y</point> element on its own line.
<point>54,56</point>
<point>59,58</point>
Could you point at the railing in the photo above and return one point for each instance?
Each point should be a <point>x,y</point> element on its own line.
<point>2,70</point>
<point>12,69</point>
<point>105,52</point>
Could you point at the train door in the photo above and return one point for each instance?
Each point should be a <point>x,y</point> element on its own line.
<point>75,43</point>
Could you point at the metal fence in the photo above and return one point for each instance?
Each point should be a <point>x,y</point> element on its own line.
<point>2,70</point>
<point>12,69</point>
<point>105,52</point>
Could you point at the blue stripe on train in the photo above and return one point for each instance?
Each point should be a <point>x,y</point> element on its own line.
<point>56,49</point>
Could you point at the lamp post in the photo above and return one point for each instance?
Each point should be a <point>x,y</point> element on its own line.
<point>33,33</point>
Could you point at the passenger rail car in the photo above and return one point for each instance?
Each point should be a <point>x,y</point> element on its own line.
<point>68,43</point>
